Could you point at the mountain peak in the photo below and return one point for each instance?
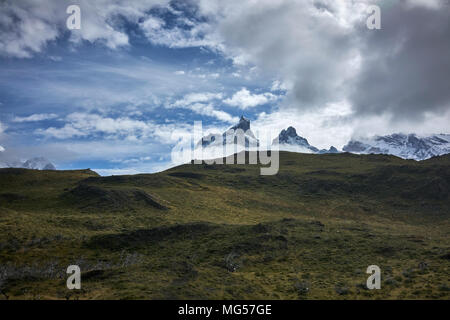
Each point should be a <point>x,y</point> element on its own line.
<point>244,124</point>
<point>38,163</point>
<point>289,136</point>
<point>247,138</point>
<point>291,132</point>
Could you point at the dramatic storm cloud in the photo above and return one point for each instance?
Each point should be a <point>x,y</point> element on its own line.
<point>325,53</point>
<point>406,65</point>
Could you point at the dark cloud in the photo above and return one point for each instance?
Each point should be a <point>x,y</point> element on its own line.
<point>405,65</point>
<point>306,45</point>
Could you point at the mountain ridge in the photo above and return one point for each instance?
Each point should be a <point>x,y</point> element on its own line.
<point>406,146</point>
<point>36,163</point>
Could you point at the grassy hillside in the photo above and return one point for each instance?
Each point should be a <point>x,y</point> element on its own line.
<point>225,232</point>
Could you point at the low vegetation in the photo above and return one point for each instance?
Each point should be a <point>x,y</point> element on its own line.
<point>226,232</point>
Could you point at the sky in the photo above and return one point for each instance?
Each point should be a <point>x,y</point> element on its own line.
<point>118,94</point>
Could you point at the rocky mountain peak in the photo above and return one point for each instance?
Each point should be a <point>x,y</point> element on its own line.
<point>37,163</point>
<point>247,138</point>
<point>244,124</point>
<point>290,136</point>
<point>291,132</point>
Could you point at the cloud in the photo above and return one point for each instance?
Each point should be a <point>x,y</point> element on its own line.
<point>89,125</point>
<point>2,129</point>
<point>243,99</point>
<point>55,58</point>
<point>180,33</point>
<point>322,128</point>
<point>323,53</point>
<point>308,45</point>
<point>335,124</point>
<point>26,26</point>
<point>35,117</point>
<point>278,86</point>
<point>179,73</point>
<point>201,103</point>
<point>209,110</point>
<point>431,4</point>
<point>404,67</point>
<point>197,97</point>
<point>84,124</point>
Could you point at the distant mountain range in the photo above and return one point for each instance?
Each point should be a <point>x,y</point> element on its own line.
<point>404,146</point>
<point>38,163</point>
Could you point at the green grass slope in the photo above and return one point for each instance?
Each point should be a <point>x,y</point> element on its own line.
<point>226,232</point>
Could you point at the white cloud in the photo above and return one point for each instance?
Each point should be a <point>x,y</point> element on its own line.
<point>117,129</point>
<point>55,58</point>
<point>180,72</point>
<point>2,129</point>
<point>323,128</point>
<point>84,124</point>
<point>197,97</point>
<point>209,110</point>
<point>201,103</point>
<point>334,125</point>
<point>292,41</point>
<point>278,86</point>
<point>26,26</point>
<point>185,33</point>
<point>244,99</point>
<point>35,117</point>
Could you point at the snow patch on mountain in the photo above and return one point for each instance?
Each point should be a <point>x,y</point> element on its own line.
<point>331,150</point>
<point>240,135</point>
<point>289,140</point>
<point>406,146</point>
<point>38,163</point>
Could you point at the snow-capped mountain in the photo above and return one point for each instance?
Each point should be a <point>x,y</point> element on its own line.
<point>404,146</point>
<point>240,135</point>
<point>331,150</point>
<point>38,163</point>
<point>289,140</point>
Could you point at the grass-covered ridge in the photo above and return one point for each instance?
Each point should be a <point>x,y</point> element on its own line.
<point>224,231</point>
